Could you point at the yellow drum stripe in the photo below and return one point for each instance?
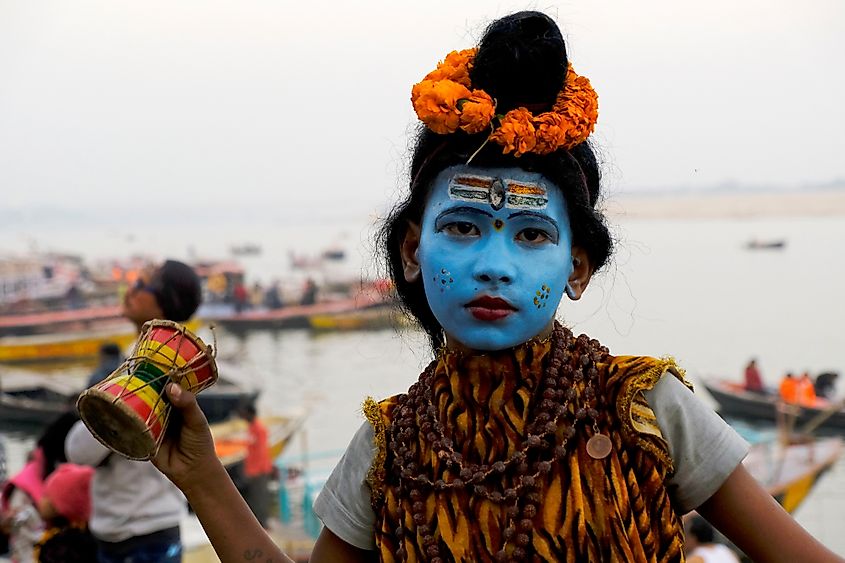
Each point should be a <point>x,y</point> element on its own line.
<point>135,386</point>
<point>163,355</point>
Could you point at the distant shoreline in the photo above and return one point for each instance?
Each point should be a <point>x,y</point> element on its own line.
<point>830,203</point>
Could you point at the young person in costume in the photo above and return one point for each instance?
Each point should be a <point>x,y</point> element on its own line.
<point>520,441</point>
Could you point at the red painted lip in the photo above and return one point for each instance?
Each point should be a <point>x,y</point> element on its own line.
<point>489,308</point>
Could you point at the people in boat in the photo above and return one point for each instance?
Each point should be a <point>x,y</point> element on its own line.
<point>309,292</point>
<point>701,545</point>
<point>273,296</point>
<point>825,384</point>
<point>806,391</point>
<point>753,380</point>
<point>520,441</point>
<point>788,389</point>
<point>136,511</point>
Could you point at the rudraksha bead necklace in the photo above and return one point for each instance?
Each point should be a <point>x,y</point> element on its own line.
<point>572,361</point>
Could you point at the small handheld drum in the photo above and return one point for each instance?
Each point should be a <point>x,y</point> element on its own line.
<point>129,410</point>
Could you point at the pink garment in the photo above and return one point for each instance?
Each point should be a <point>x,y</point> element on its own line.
<point>27,479</point>
<point>68,489</point>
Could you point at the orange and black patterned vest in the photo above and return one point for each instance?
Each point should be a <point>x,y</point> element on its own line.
<point>589,510</point>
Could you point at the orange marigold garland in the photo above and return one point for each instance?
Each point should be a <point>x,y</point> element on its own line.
<point>516,132</point>
<point>444,102</point>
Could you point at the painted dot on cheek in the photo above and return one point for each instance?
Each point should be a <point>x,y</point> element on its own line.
<point>540,301</point>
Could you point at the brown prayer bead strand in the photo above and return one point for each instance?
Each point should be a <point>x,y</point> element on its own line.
<point>572,362</point>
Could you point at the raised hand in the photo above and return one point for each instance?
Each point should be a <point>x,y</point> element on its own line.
<point>187,452</point>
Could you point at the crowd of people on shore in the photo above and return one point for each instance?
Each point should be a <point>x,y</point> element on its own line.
<point>243,297</point>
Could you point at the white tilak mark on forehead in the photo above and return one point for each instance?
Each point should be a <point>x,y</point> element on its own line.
<point>481,189</point>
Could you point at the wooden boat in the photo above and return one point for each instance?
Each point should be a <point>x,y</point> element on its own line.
<point>788,472</point>
<point>373,318</point>
<point>245,249</point>
<point>775,244</point>
<point>56,321</point>
<point>77,345</point>
<point>735,401</point>
<point>83,345</point>
<point>222,400</point>
<point>33,400</point>
<point>294,316</point>
<point>230,437</point>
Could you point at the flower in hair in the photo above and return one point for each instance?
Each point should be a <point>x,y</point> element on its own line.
<point>445,102</point>
<point>476,111</point>
<point>454,67</point>
<point>516,132</point>
<point>552,131</point>
<point>439,102</point>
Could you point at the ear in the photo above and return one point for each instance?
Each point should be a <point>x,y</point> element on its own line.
<point>409,250</point>
<point>582,271</point>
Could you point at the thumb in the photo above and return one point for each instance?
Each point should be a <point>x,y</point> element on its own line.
<point>186,403</point>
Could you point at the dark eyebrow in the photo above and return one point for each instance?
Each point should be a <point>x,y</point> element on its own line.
<point>536,215</point>
<point>463,209</point>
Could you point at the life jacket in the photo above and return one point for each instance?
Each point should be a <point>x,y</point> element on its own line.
<point>611,509</point>
<point>789,390</point>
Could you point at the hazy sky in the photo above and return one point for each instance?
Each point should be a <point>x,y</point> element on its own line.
<point>217,103</point>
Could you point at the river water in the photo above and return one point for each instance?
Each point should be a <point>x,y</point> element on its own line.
<point>687,288</point>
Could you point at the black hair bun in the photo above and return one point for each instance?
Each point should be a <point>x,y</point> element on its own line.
<point>521,61</point>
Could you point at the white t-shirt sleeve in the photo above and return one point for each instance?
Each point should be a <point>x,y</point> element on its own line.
<point>343,504</point>
<point>704,449</point>
<point>82,448</point>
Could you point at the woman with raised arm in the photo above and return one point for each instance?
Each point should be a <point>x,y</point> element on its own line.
<point>519,441</point>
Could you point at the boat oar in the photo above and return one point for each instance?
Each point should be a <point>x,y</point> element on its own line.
<point>819,419</point>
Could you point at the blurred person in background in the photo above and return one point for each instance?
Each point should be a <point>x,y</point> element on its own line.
<point>65,508</point>
<point>701,545</point>
<point>806,390</point>
<point>753,381</point>
<point>825,384</point>
<point>110,358</point>
<point>135,510</point>
<point>258,467</point>
<point>19,516</point>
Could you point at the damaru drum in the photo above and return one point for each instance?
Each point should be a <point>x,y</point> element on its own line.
<point>128,411</point>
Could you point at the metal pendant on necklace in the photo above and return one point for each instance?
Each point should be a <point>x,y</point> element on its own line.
<point>599,446</point>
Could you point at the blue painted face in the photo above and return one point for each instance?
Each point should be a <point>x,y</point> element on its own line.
<point>495,254</point>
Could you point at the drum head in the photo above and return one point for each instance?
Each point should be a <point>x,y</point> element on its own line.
<point>115,425</point>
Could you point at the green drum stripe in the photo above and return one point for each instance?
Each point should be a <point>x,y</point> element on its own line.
<point>151,375</point>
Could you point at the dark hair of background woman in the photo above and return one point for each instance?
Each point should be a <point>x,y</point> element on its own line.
<point>521,62</point>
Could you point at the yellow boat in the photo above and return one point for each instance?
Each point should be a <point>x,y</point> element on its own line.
<point>231,437</point>
<point>788,472</point>
<point>373,318</point>
<point>77,345</point>
<point>57,347</point>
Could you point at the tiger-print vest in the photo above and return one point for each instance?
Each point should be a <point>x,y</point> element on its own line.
<point>611,509</point>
